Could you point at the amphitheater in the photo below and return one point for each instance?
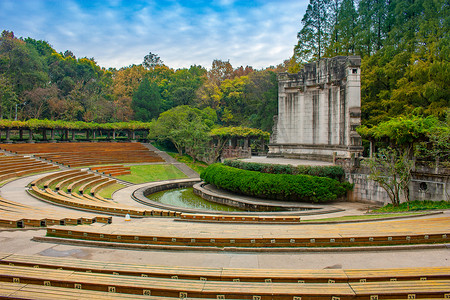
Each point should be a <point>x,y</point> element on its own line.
<point>60,239</point>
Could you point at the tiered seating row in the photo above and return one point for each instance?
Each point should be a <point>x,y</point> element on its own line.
<point>240,218</point>
<point>16,166</point>
<point>115,170</point>
<point>69,188</point>
<point>85,154</point>
<point>219,241</point>
<point>229,274</point>
<point>16,215</point>
<point>210,289</point>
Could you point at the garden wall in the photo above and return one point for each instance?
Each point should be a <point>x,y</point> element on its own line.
<point>426,184</point>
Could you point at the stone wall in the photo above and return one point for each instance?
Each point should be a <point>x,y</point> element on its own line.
<point>425,185</point>
<point>319,110</point>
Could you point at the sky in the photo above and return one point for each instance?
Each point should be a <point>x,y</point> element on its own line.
<point>183,33</point>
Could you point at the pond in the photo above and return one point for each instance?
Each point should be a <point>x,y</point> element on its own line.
<point>185,197</point>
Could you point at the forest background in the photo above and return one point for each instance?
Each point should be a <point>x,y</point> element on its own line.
<point>404,45</point>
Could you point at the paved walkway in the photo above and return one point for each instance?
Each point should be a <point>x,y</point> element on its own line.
<point>20,242</point>
<point>286,161</point>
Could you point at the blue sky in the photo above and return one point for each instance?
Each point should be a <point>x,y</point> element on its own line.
<point>183,33</point>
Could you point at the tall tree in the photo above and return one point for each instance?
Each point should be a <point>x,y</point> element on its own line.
<point>344,30</point>
<point>315,34</point>
<point>146,102</point>
<point>152,60</point>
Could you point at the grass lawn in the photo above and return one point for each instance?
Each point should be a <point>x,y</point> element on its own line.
<point>198,166</point>
<point>110,189</point>
<point>415,206</point>
<point>148,173</point>
<point>361,217</point>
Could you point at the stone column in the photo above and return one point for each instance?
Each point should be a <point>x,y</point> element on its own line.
<point>73,135</point>
<point>20,134</point>
<point>52,135</point>
<point>30,136</point>
<point>8,133</point>
<point>44,134</point>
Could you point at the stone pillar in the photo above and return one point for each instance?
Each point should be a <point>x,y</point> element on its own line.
<point>73,135</point>
<point>263,145</point>
<point>87,134</point>
<point>114,134</point>
<point>44,134</point>
<point>108,134</point>
<point>66,134</point>
<point>133,136</point>
<point>246,142</point>
<point>8,133</point>
<point>52,135</point>
<point>20,134</point>
<point>30,136</point>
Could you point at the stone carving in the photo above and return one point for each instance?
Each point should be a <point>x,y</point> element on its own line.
<point>319,109</point>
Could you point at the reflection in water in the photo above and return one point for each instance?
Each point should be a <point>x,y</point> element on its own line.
<point>185,197</point>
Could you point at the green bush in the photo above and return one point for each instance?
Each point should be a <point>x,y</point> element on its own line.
<point>305,188</point>
<point>334,172</point>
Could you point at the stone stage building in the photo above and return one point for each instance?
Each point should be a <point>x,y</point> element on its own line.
<point>319,109</point>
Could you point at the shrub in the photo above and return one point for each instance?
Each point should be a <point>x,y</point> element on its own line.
<point>305,188</point>
<point>334,172</point>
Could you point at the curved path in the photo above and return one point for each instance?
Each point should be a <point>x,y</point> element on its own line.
<point>19,241</point>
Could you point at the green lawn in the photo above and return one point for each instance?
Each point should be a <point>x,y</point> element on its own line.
<point>415,206</point>
<point>148,173</point>
<point>110,189</point>
<point>361,217</point>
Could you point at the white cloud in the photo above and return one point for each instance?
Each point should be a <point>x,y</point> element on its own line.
<point>259,35</point>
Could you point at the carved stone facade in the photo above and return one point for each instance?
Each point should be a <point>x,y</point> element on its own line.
<point>319,109</point>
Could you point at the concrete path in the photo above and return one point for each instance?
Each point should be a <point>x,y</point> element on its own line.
<point>286,161</point>
<point>20,242</point>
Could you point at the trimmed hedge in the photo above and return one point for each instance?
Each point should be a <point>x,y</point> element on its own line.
<point>334,172</point>
<point>304,188</point>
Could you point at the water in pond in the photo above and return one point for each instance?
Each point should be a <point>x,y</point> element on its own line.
<point>185,197</point>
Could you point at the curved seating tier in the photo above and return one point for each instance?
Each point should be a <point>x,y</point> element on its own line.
<point>82,193</point>
<point>17,166</point>
<point>240,218</point>
<point>17,215</point>
<point>221,283</point>
<point>85,154</point>
<point>176,234</point>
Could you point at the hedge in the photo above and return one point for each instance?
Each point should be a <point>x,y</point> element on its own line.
<point>334,172</point>
<point>303,188</point>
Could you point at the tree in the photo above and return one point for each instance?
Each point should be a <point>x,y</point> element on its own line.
<point>392,166</point>
<point>146,102</point>
<point>152,60</point>
<point>344,30</point>
<point>186,128</point>
<point>220,70</point>
<point>315,34</point>
<point>391,169</point>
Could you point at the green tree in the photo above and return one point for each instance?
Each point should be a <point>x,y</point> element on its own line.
<point>315,33</point>
<point>391,169</point>
<point>152,60</point>
<point>185,127</point>
<point>146,102</point>
<point>344,30</point>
